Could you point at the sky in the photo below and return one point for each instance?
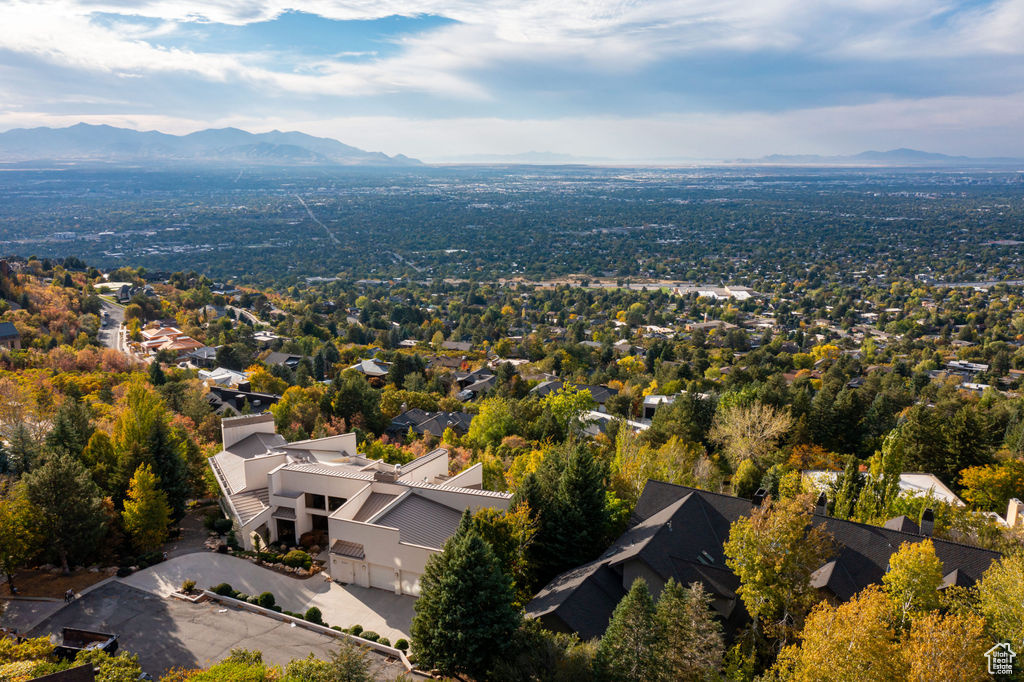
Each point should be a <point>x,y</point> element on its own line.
<point>616,80</point>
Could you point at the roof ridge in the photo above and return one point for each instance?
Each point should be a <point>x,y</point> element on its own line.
<point>913,535</point>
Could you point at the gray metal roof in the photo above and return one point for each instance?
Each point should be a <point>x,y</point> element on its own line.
<point>421,521</point>
<point>284,513</point>
<point>373,504</point>
<point>257,444</point>
<point>250,504</point>
<point>349,549</point>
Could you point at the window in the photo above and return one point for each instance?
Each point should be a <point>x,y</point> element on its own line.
<point>335,502</point>
<point>315,501</point>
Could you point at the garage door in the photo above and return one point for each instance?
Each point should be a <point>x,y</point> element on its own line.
<point>411,583</point>
<point>342,570</point>
<point>382,577</point>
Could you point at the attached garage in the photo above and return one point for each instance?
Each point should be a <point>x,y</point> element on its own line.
<point>411,583</point>
<point>382,577</point>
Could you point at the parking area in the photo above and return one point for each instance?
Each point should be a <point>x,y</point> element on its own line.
<point>383,612</point>
<point>168,633</point>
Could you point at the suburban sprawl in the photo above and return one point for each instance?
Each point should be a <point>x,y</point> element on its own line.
<point>511,423</point>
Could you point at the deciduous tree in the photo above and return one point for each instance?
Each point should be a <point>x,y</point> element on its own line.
<point>146,514</point>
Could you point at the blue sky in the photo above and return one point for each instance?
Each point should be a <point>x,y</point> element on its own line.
<point>612,79</point>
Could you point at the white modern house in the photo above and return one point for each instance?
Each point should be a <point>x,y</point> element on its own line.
<point>380,521</point>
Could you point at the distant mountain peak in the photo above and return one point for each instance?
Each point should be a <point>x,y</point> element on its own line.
<point>901,156</point>
<point>102,143</point>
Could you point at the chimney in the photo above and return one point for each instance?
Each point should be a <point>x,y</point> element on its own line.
<point>821,506</point>
<point>1014,512</point>
<point>927,522</point>
<point>759,496</point>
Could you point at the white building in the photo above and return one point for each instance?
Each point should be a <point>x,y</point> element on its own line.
<point>380,521</point>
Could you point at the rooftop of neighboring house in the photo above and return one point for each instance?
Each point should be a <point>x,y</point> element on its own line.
<point>915,483</point>
<point>678,532</point>
<point>9,331</point>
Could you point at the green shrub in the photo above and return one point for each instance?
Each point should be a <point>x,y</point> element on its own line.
<point>222,526</point>
<point>402,644</point>
<point>356,629</point>
<point>188,585</point>
<point>253,599</point>
<point>275,607</point>
<point>293,614</point>
<point>241,596</point>
<point>370,635</point>
<point>313,615</point>
<point>337,627</point>
<point>266,600</point>
<point>224,590</point>
<point>297,559</point>
<point>384,640</point>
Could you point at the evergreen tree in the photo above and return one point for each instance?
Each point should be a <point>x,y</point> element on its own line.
<point>101,460</point>
<point>849,487</point>
<point>631,648</point>
<point>72,428</point>
<point>465,617</point>
<point>694,647</point>
<point>142,435</point>
<point>70,507</point>
<point>146,514</point>
<point>156,374</point>
<point>23,451</point>
<point>574,520</point>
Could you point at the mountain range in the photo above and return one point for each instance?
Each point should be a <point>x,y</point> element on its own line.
<point>893,157</point>
<point>85,143</point>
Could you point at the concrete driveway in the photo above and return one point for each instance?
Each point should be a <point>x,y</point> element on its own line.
<point>383,612</point>
<point>167,633</point>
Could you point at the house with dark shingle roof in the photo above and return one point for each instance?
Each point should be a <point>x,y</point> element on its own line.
<point>600,394</point>
<point>10,337</point>
<point>434,423</point>
<point>678,532</point>
<point>380,522</point>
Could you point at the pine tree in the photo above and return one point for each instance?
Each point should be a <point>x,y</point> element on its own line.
<point>23,452</point>
<point>465,616</point>
<point>631,648</point>
<point>70,507</point>
<point>694,647</point>
<point>146,514</point>
<point>72,428</point>
<point>849,489</point>
<point>156,374</point>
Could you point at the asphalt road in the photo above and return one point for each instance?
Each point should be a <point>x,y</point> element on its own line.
<point>110,330</point>
<point>167,633</point>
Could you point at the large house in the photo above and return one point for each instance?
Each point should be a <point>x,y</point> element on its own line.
<point>678,532</point>
<point>380,522</point>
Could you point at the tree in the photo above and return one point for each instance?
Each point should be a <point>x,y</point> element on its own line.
<point>492,423</point>
<point>946,647</point>
<point>143,435</point>
<point>848,488</point>
<point>989,488</point>
<point>348,664</point>
<point>631,648</point>
<point>773,552</point>
<point>72,428</point>
<point>510,535</point>
<point>101,460</point>
<point>568,405</point>
<point>694,647</point>
<point>146,514</point>
<point>746,480</point>
<point>23,452</point>
<point>19,538</point>
<point>70,509</point>
<point>882,487</point>
<point>750,432</point>
<point>568,495</point>
<point>156,374</point>
<point>913,579</point>
<point>852,641</point>
<point>1001,598</point>
<point>465,617</point>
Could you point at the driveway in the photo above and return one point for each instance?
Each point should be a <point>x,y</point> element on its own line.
<point>385,613</point>
<point>167,633</point>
